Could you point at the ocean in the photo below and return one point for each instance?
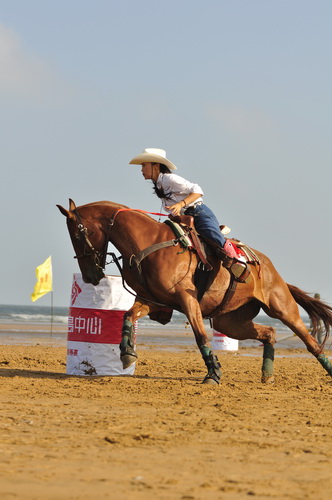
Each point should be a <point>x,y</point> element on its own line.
<point>34,323</point>
<point>32,314</point>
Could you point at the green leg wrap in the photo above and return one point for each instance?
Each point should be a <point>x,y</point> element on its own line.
<point>324,361</point>
<point>268,359</point>
<point>212,364</point>
<point>127,343</point>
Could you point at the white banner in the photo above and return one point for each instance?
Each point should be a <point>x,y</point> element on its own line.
<point>109,294</point>
<point>95,326</point>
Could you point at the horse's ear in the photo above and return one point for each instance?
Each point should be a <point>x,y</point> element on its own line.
<point>72,205</point>
<point>67,213</point>
<point>64,211</point>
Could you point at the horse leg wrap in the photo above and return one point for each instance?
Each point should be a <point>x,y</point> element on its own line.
<point>127,343</point>
<point>267,367</point>
<point>324,361</point>
<point>212,364</point>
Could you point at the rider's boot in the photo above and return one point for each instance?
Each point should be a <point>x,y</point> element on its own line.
<point>230,250</point>
<point>237,268</point>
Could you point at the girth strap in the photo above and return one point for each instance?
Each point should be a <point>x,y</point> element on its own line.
<point>135,260</point>
<point>227,298</point>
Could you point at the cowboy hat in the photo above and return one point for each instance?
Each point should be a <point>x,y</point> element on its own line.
<point>153,155</point>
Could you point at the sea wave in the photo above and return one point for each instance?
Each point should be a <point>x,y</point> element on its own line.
<point>42,315</point>
<point>33,314</point>
<point>33,318</point>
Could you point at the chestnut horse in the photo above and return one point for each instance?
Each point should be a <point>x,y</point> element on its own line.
<point>163,278</point>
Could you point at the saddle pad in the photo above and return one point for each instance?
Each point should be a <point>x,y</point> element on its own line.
<point>179,232</point>
<point>244,252</point>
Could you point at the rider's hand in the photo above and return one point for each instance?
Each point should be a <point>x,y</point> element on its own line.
<point>176,208</point>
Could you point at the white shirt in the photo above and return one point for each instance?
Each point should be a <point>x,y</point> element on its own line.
<point>176,189</point>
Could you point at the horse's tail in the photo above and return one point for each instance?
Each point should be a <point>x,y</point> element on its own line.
<point>319,312</point>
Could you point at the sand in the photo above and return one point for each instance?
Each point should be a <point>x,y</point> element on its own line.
<point>162,434</point>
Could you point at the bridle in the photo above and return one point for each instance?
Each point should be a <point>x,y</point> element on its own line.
<point>99,258</point>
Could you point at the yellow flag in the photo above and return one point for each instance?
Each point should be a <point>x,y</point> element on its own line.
<point>44,280</point>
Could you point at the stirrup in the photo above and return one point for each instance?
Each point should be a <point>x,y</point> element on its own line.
<point>240,271</point>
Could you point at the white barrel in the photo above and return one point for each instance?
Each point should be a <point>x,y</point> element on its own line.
<point>220,342</point>
<point>95,326</point>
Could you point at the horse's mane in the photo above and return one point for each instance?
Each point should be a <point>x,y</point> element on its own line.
<point>116,206</point>
<point>103,203</point>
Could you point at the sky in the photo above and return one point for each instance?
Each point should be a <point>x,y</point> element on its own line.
<point>237,92</point>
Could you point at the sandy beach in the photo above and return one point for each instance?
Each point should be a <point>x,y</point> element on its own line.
<point>161,433</point>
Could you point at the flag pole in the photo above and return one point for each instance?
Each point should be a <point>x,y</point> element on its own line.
<point>51,312</point>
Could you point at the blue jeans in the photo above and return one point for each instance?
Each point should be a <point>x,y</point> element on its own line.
<point>206,223</point>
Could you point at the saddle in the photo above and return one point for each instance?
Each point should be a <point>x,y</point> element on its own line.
<point>184,230</point>
<point>183,227</point>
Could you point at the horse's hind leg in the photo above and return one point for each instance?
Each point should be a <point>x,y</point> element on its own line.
<point>299,328</point>
<point>283,307</point>
<point>239,325</point>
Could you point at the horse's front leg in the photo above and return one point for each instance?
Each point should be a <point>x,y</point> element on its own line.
<point>213,375</point>
<point>194,315</point>
<point>128,354</point>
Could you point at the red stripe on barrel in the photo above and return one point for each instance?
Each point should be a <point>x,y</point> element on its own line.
<point>98,326</point>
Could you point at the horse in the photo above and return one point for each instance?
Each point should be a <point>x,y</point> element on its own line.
<point>162,273</point>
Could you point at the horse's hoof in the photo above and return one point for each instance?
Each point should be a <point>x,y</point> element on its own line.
<point>128,360</point>
<point>267,380</point>
<point>210,381</point>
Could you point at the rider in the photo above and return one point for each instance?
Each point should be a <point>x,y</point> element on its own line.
<point>180,196</point>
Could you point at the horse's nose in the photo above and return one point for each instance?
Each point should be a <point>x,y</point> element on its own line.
<point>87,279</point>
<point>92,280</point>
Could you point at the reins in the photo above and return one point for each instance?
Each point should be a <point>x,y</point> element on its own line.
<point>100,257</point>
<point>117,263</point>
<point>134,210</point>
